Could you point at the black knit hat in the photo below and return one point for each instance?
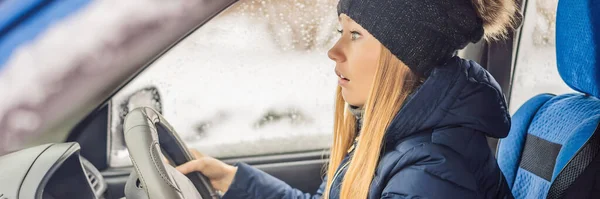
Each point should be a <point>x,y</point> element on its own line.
<point>421,33</point>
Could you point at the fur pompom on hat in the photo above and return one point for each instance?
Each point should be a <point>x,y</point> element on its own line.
<point>425,34</point>
<point>498,16</point>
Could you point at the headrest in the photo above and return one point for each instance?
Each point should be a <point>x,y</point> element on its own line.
<point>577,44</point>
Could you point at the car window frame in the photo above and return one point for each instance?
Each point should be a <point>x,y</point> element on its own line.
<point>80,128</point>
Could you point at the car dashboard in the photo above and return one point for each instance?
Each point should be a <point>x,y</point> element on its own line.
<point>49,171</point>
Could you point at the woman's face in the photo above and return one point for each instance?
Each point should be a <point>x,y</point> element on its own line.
<point>356,55</point>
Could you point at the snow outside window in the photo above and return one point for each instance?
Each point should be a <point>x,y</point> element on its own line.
<point>535,69</point>
<point>255,80</point>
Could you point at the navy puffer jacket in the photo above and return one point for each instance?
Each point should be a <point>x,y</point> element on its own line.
<point>436,144</point>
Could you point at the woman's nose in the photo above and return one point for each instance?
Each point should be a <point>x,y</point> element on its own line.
<point>336,54</point>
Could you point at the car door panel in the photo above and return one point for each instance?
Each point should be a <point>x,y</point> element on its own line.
<point>303,171</point>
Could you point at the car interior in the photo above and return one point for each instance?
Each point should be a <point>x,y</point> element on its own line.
<point>114,144</point>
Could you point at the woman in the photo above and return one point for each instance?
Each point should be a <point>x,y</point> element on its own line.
<point>411,118</point>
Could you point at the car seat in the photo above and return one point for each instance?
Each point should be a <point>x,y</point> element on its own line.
<point>554,139</point>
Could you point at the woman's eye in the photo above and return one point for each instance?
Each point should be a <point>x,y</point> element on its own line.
<point>355,35</point>
<point>340,31</point>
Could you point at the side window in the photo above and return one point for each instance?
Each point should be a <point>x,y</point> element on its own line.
<point>535,70</point>
<point>255,80</point>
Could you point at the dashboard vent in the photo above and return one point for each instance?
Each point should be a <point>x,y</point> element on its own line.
<point>93,181</point>
<point>94,177</point>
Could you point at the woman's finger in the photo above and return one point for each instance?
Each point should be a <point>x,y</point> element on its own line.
<point>196,153</point>
<point>191,166</point>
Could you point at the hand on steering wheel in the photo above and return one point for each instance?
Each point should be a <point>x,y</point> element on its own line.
<point>220,174</point>
<point>148,135</point>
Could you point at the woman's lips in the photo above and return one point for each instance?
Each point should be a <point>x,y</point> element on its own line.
<point>343,81</point>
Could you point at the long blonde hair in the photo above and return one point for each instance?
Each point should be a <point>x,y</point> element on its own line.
<point>393,82</point>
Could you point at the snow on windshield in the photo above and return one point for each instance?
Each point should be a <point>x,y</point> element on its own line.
<point>255,80</point>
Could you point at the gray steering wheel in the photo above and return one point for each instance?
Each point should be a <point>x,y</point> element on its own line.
<point>147,134</point>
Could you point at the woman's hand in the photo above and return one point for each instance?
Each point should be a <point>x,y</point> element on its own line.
<point>220,174</point>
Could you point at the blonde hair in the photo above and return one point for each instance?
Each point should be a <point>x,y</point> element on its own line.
<point>393,82</point>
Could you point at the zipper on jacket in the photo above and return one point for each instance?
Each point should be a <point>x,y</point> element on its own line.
<point>335,177</point>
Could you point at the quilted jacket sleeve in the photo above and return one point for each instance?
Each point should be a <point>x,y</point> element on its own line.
<point>252,183</point>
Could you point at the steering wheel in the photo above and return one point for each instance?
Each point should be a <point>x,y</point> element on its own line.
<point>147,134</point>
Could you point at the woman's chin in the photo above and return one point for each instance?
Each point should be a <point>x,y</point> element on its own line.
<point>350,100</point>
